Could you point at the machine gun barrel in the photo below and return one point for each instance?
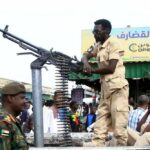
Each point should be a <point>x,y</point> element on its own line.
<point>22,43</point>
<point>54,55</point>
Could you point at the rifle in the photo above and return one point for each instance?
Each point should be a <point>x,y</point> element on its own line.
<point>54,56</point>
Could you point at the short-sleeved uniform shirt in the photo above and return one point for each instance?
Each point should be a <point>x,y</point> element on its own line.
<point>111,49</point>
<point>11,135</point>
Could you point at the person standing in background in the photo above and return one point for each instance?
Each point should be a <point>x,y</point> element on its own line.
<point>74,117</point>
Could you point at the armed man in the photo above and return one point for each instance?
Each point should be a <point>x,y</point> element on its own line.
<point>13,101</point>
<point>113,107</point>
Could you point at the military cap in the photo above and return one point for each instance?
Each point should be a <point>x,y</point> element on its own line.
<point>13,88</point>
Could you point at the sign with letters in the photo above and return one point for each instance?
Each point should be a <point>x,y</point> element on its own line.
<point>135,41</point>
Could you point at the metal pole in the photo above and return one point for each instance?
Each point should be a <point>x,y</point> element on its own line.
<point>37,107</point>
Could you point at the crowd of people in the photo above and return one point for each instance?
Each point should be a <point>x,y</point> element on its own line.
<point>81,116</point>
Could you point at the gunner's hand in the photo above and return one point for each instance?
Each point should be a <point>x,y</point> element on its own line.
<point>87,68</point>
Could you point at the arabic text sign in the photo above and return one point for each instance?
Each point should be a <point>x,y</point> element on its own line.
<point>135,41</point>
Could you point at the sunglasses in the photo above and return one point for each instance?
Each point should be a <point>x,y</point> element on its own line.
<point>96,31</point>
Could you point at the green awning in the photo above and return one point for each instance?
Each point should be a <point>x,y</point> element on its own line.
<point>138,70</point>
<point>133,70</point>
<point>80,76</point>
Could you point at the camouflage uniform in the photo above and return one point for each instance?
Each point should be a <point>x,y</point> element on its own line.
<point>11,135</point>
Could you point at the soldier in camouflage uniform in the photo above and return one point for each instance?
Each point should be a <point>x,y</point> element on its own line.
<point>13,100</point>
